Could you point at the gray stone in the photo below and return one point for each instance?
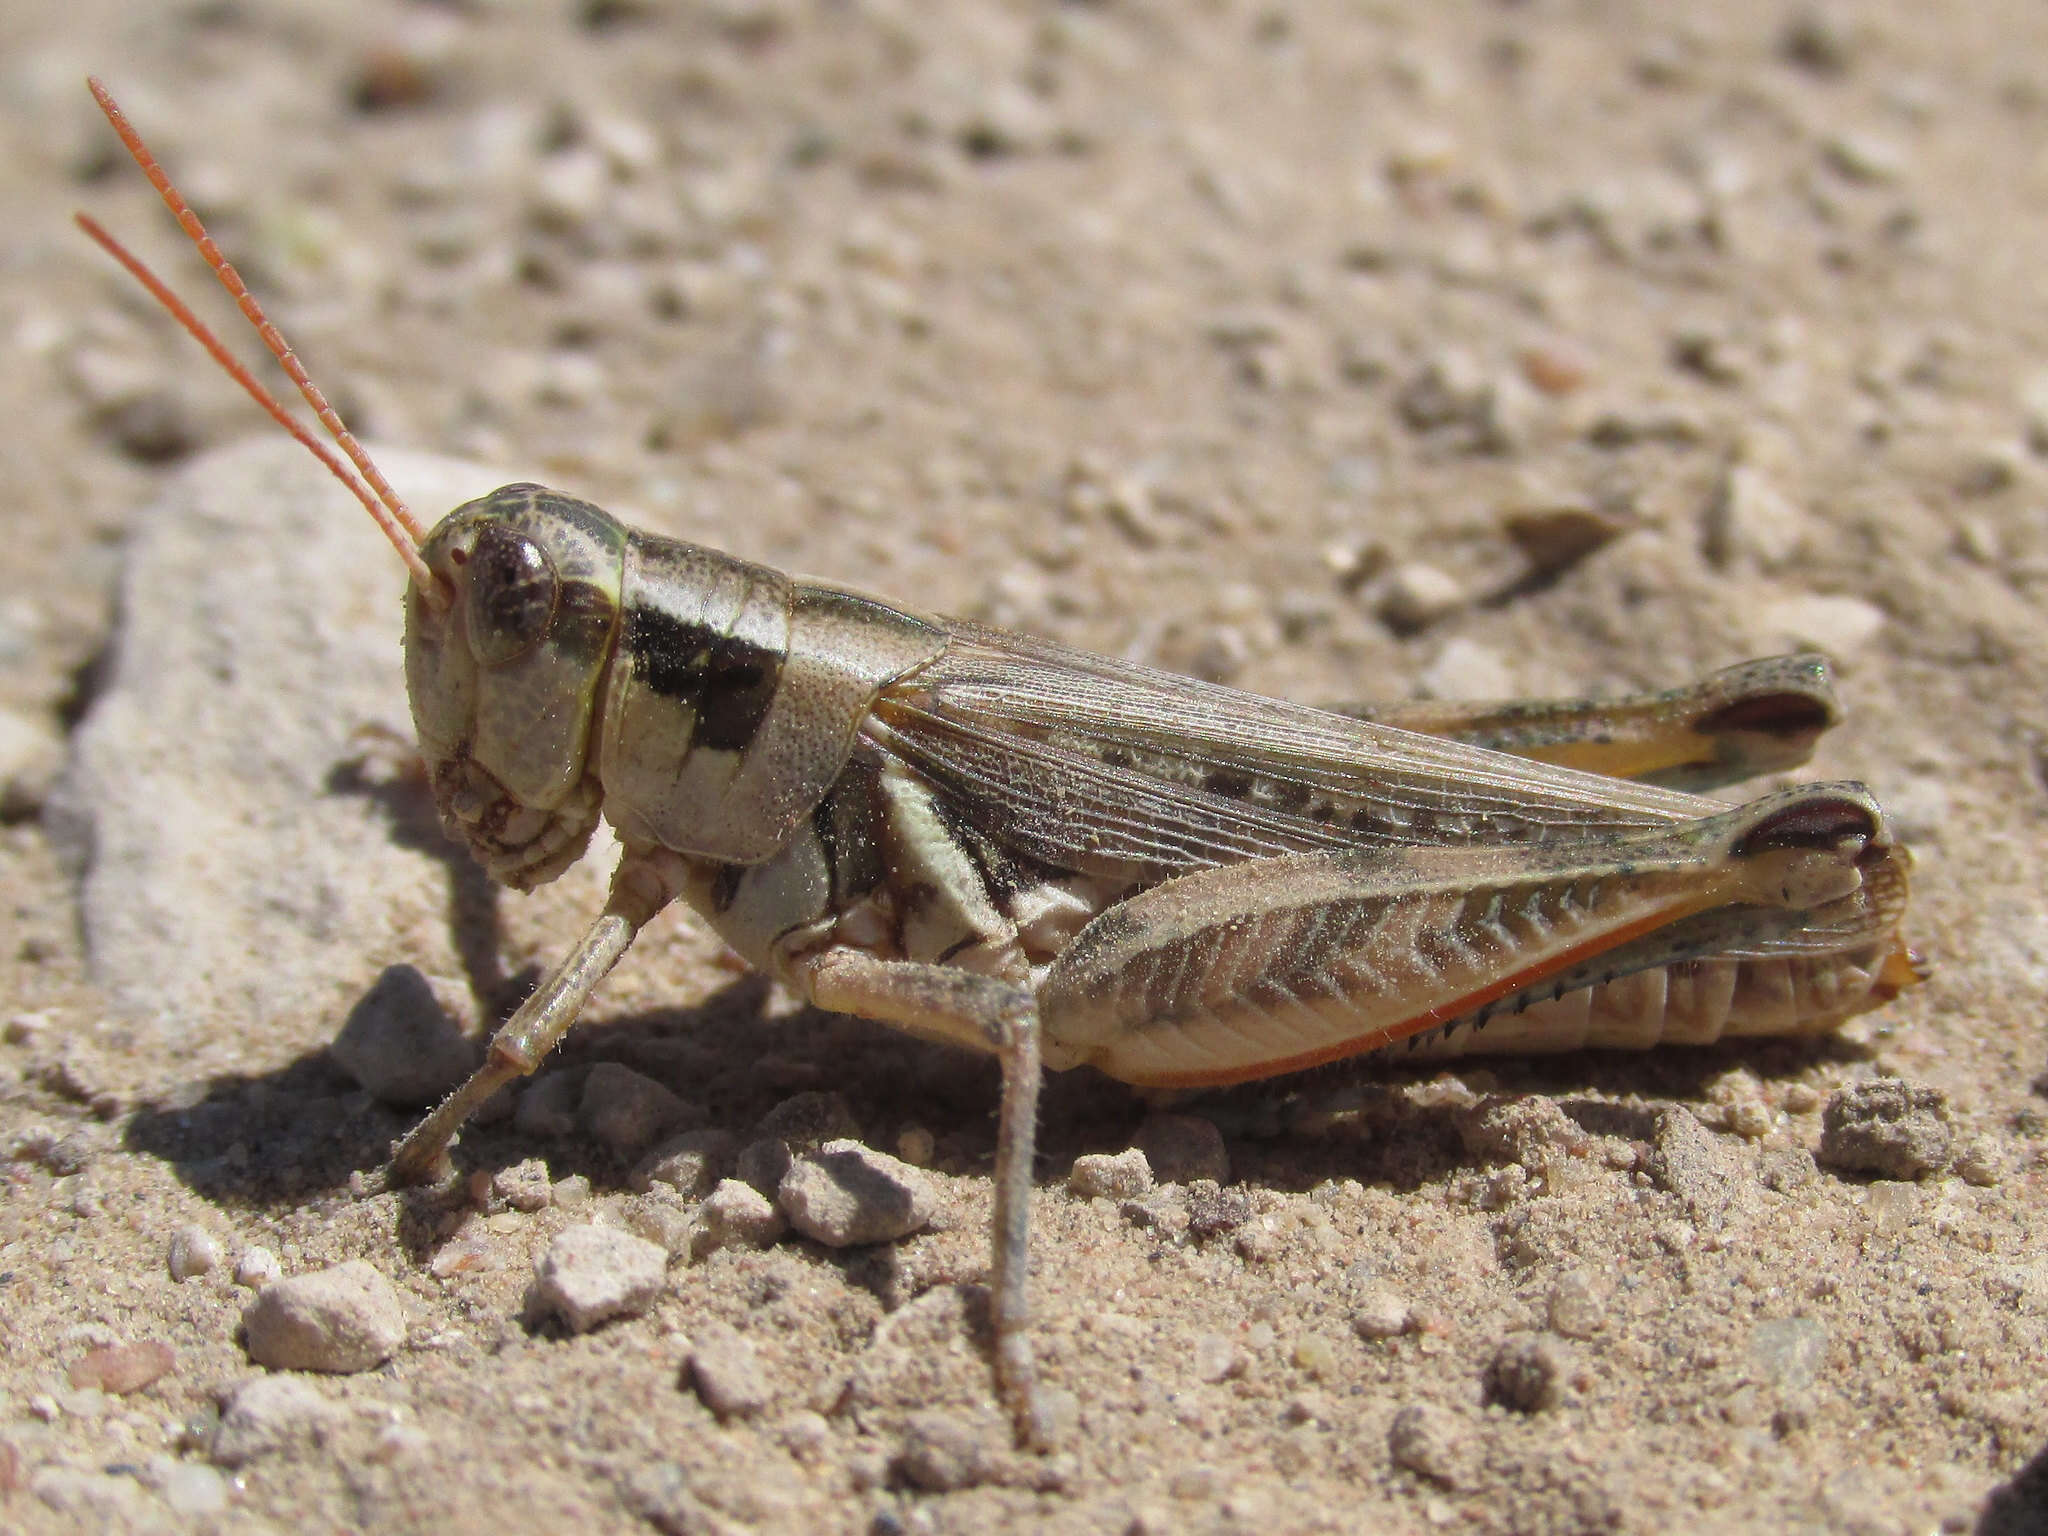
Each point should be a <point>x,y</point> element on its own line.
<point>591,1275</point>
<point>1894,1129</point>
<point>343,1320</point>
<point>846,1194</point>
<point>222,874</point>
<point>406,1041</point>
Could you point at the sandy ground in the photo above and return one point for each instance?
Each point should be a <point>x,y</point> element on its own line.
<point>1247,340</point>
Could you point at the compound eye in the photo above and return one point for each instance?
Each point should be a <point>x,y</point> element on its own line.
<point>512,592</point>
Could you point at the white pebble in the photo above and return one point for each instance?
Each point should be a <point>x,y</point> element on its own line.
<point>1465,669</point>
<point>193,1252</point>
<point>257,1267</point>
<point>1414,596</point>
<point>1381,1315</point>
<point>590,1275</point>
<point>343,1319</point>
<point>1833,622</point>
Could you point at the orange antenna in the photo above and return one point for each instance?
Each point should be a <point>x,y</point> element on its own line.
<point>384,506</point>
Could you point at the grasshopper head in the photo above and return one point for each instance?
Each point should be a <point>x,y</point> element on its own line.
<point>506,677</point>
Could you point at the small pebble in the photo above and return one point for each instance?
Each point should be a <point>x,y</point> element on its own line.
<point>406,1040</point>
<point>1466,669</point>
<point>1429,1442</point>
<point>257,1267</point>
<point>1887,1127</point>
<point>726,1372</point>
<point>626,1110</point>
<point>31,759</point>
<point>343,1319</point>
<point>1832,622</point>
<point>1526,1374</point>
<point>1412,596</point>
<point>1216,1358</point>
<point>916,1146</point>
<point>1110,1175</point>
<point>738,1215</point>
<point>1164,1211</point>
<point>193,1252</point>
<point>1381,1315</point>
<point>590,1275</point>
<point>123,1368</point>
<point>664,1220</point>
<point>1979,1162</point>
<point>1578,1304</point>
<point>1748,519</point>
<point>265,1414</point>
<point>189,1488</point>
<point>524,1186</point>
<point>1182,1148</point>
<point>1316,1354</point>
<point>941,1453</point>
<point>847,1194</point>
<point>687,1163</point>
<point>1866,157</point>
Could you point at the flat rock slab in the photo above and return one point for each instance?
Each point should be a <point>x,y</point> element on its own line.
<point>234,864</point>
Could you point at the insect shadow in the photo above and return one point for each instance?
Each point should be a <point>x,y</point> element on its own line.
<point>389,773</point>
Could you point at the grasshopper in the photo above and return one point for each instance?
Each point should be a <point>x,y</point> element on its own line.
<point>1059,859</point>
